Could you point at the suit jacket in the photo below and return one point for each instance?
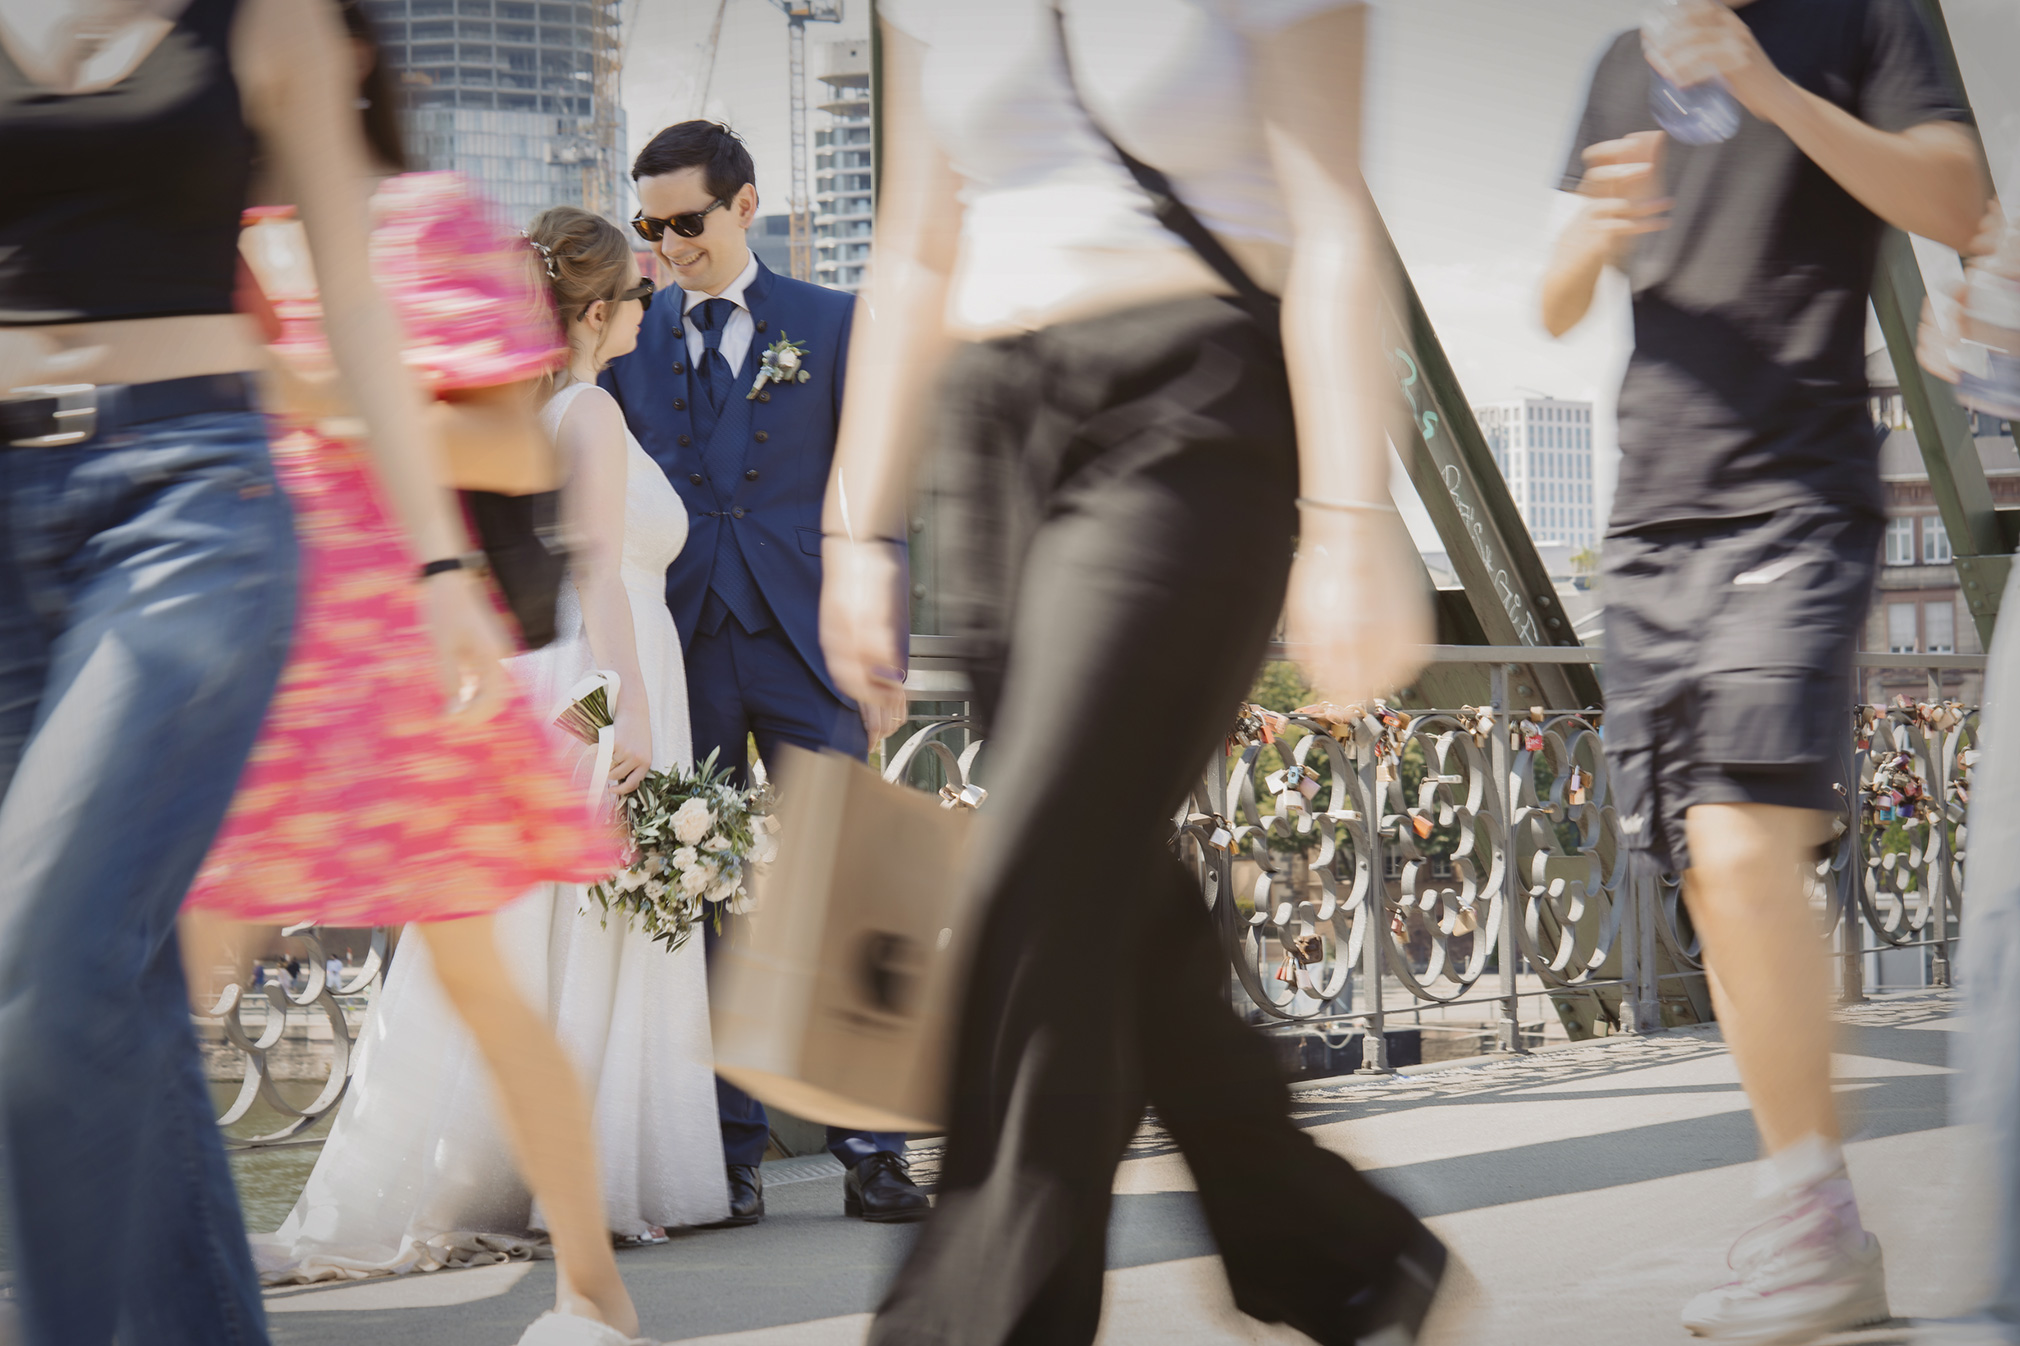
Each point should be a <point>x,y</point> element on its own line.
<point>774,504</point>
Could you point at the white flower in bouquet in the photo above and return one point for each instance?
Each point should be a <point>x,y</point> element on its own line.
<point>695,880</point>
<point>693,837</point>
<point>692,820</point>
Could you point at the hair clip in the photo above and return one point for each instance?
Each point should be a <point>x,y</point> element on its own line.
<point>546,256</point>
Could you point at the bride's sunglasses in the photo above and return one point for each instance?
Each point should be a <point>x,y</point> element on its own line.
<point>642,292</point>
<point>690,225</point>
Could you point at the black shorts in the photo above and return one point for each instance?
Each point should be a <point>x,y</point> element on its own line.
<point>1729,680</point>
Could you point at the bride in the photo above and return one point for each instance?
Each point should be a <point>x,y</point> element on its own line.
<point>415,1174</point>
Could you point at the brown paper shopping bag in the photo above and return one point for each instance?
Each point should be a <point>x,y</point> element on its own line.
<point>837,999</point>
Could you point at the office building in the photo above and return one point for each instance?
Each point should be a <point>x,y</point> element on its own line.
<point>1919,607</point>
<point>843,168</point>
<point>771,238</point>
<point>1543,446</point>
<point>520,95</point>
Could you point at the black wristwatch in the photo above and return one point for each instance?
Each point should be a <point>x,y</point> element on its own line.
<point>469,560</point>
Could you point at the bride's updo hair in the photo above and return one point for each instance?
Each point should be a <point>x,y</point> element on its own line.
<point>582,257</point>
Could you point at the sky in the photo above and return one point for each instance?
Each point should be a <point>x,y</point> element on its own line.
<point>666,65</point>
<point>1471,106</point>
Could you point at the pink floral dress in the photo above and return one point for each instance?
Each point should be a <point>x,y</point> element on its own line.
<point>365,803</point>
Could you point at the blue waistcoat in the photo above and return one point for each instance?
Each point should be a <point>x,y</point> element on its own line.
<point>774,504</point>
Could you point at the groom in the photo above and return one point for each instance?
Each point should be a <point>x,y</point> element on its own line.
<point>745,591</point>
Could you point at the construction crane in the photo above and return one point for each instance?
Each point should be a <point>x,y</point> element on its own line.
<point>589,144</point>
<point>800,13</point>
<point>709,52</point>
<point>599,169</point>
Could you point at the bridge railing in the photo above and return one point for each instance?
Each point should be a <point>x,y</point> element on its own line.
<point>1365,865</point>
<point>1369,862</point>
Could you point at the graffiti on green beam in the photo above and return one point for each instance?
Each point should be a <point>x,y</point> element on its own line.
<point>1426,421</point>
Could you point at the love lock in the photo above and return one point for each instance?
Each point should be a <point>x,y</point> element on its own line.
<point>969,796</point>
<point>1304,953</point>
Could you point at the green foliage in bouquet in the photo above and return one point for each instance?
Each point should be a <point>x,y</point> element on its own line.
<point>694,838</point>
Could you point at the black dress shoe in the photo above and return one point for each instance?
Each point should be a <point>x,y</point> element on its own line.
<point>881,1190</point>
<point>746,1197</point>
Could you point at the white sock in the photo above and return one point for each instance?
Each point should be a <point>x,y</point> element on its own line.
<point>1806,1163</point>
<point>1811,1166</point>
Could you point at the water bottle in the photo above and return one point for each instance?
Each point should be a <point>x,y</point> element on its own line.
<point>1694,114</point>
<point>1986,350</point>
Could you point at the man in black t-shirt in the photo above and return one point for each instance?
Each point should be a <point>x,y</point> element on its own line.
<point>1739,560</point>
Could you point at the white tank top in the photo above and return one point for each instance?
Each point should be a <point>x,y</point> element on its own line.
<point>1047,205</point>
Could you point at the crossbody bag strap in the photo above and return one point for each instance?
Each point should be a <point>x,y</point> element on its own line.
<point>1173,213</point>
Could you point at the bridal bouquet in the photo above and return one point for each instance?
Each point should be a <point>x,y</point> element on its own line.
<point>692,840</point>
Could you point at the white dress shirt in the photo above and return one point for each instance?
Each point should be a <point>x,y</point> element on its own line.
<point>736,333</point>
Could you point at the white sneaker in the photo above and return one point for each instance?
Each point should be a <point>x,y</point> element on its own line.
<point>554,1328</point>
<point>1809,1271</point>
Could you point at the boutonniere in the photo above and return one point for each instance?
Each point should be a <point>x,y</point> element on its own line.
<point>782,362</point>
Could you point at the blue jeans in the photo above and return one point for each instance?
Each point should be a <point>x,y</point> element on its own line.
<point>147,593</point>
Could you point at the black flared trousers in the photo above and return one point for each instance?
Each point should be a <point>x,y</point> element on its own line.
<point>1121,496</point>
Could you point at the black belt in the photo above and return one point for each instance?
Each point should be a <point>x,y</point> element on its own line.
<point>66,415</point>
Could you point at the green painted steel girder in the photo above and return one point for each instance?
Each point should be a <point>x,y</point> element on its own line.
<point>1439,441</point>
<point>1943,433</point>
<point>1979,542</point>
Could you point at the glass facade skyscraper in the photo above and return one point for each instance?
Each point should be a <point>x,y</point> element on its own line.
<point>520,95</point>
<point>1543,447</point>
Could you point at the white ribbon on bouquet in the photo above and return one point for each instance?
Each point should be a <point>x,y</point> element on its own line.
<point>606,736</point>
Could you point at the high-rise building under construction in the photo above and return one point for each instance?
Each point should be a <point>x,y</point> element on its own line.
<point>843,169</point>
<point>521,95</point>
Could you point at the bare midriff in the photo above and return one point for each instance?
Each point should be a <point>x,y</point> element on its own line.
<point>1124,279</point>
<point>127,350</point>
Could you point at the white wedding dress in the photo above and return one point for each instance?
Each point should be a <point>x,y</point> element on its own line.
<point>415,1174</point>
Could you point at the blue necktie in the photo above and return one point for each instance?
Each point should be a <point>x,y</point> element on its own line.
<point>711,318</point>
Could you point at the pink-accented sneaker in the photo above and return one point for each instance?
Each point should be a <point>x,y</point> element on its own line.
<point>1810,1270</point>
<point>555,1328</point>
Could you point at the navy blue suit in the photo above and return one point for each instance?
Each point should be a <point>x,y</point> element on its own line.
<point>752,477</point>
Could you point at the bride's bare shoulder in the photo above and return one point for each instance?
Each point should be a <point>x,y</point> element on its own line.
<point>592,417</point>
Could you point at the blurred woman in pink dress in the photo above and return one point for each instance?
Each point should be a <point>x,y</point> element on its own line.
<point>367,802</point>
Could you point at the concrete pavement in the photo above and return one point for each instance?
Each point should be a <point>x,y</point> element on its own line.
<point>1590,1191</point>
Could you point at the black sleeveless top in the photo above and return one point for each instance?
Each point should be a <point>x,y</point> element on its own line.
<point>124,202</point>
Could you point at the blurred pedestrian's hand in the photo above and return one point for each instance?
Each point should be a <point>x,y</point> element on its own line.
<point>1996,248</point>
<point>863,622</point>
<point>1623,179</point>
<point>1627,169</point>
<point>1357,617</point>
<point>1704,40</point>
<point>470,644</point>
<point>1993,243</point>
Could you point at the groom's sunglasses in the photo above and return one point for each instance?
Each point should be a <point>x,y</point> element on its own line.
<point>690,225</point>
<point>642,292</point>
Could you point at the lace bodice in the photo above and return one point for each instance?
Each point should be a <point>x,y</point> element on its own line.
<point>655,517</point>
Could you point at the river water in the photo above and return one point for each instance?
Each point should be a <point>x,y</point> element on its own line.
<point>269,1180</point>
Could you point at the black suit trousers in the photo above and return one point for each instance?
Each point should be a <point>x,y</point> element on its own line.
<point>1122,491</point>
